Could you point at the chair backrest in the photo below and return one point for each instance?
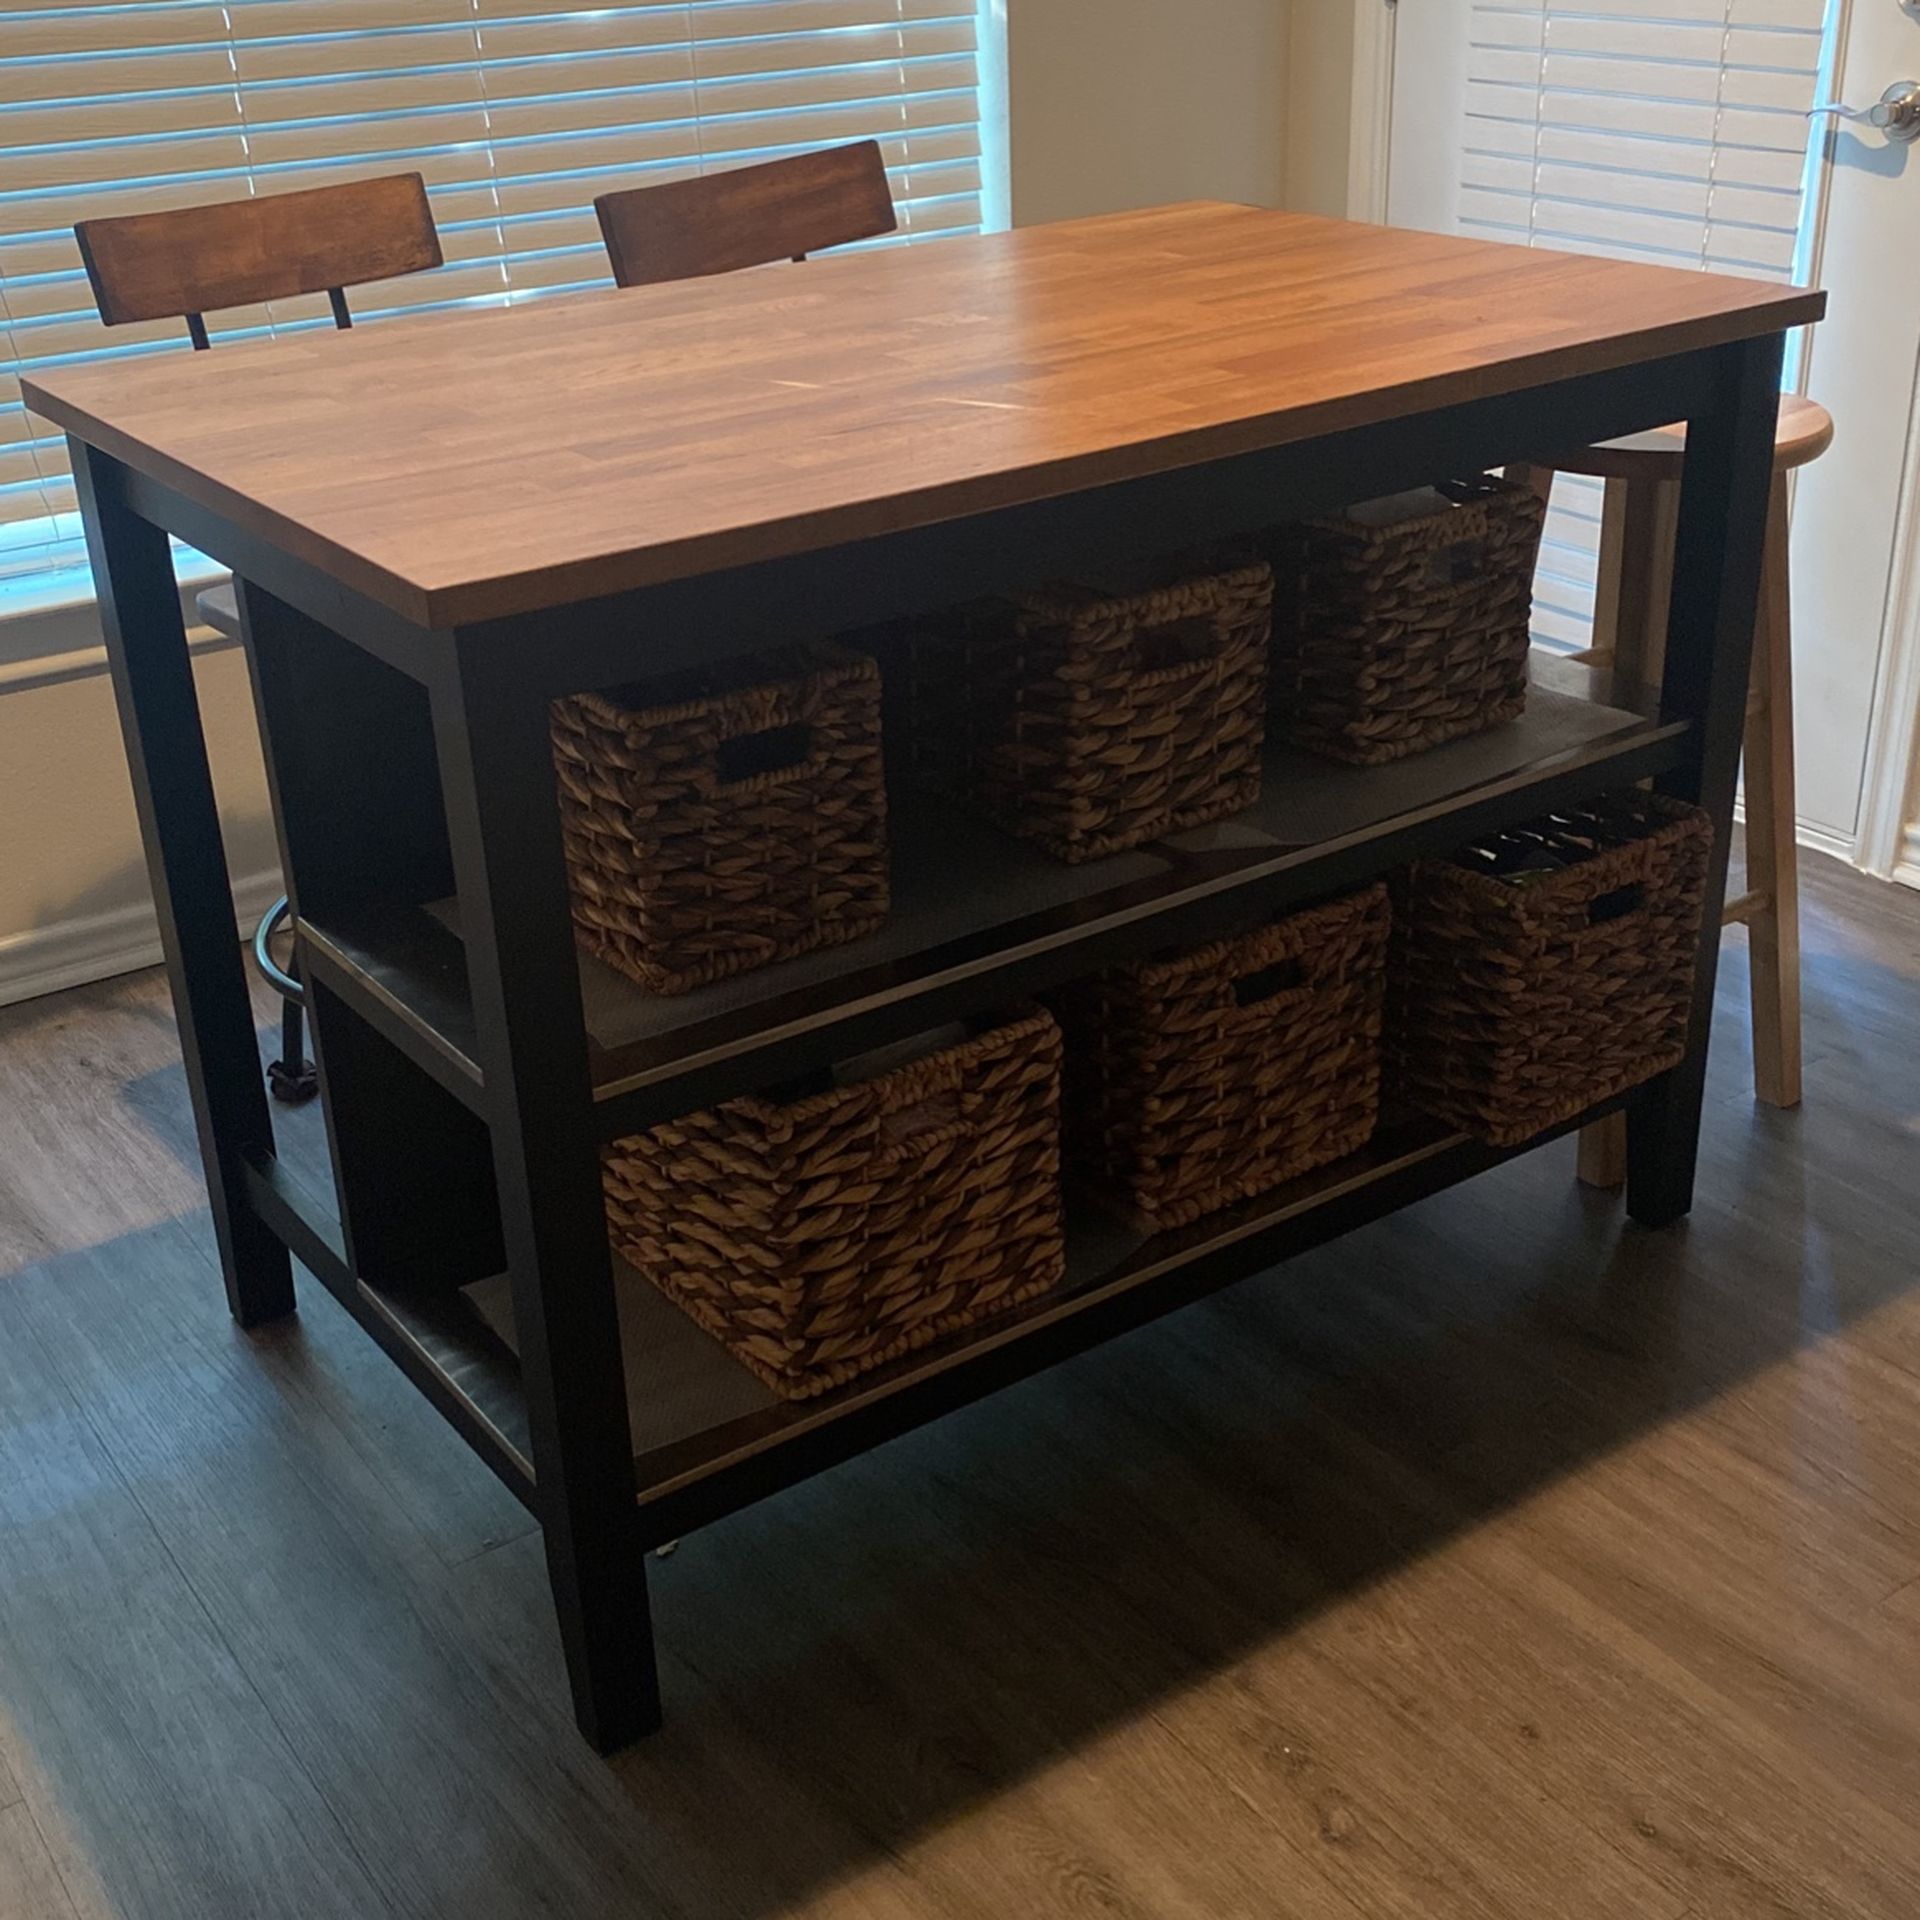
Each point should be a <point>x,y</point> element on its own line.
<point>186,263</point>
<point>747,217</point>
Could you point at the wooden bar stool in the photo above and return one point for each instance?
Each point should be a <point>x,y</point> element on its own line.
<point>1642,475</point>
<point>748,216</point>
<point>191,261</point>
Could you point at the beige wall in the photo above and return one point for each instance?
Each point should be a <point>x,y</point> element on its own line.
<point>1320,103</point>
<point>73,892</point>
<point>1132,103</point>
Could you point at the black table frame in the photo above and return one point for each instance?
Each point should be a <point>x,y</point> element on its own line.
<point>444,1164</point>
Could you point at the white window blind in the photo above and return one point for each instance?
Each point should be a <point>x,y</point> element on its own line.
<point>518,112</point>
<point>1669,131</point>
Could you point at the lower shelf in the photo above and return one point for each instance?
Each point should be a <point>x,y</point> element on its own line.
<point>432,1337</point>
<point>699,1418</point>
<point>710,1438</point>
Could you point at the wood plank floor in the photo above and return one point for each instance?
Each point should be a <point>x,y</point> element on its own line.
<point>1502,1560</point>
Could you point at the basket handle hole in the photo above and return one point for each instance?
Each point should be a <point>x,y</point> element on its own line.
<point>1284,976</point>
<point>1455,565</point>
<point>1617,905</point>
<point>915,1128</point>
<point>1178,643</point>
<point>773,750</point>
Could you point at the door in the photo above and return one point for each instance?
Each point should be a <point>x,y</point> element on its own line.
<point>1715,92</point>
<point>1856,529</point>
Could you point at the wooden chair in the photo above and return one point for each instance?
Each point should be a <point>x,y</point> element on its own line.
<point>748,217</point>
<point>1642,475</point>
<point>191,261</point>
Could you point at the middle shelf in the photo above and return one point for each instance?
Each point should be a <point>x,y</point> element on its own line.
<point>980,918</point>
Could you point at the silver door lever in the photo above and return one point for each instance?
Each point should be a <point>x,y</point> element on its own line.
<point>1896,113</point>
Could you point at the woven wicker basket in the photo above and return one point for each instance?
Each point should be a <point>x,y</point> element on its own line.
<point>1549,969</point>
<point>824,1236</point>
<point>1391,639</point>
<point>1195,1082</point>
<point>736,823</point>
<point>1089,722</point>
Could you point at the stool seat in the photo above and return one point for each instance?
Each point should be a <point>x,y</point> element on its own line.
<point>219,608</point>
<point>1805,432</point>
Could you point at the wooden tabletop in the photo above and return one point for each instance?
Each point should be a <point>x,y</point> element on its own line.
<point>457,467</point>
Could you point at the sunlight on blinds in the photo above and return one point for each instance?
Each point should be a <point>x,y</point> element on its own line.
<point>516,111</point>
<point>1669,131</point>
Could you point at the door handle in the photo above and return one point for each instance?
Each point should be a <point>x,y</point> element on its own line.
<point>1896,113</point>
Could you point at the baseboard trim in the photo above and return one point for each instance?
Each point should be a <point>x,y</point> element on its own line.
<point>1906,869</point>
<point>1842,846</point>
<point>1814,839</point>
<point>97,946</point>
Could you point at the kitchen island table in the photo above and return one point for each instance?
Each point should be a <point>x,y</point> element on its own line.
<point>443,524</point>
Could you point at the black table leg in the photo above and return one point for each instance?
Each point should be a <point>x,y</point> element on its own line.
<point>187,864</point>
<point>1716,596</point>
<point>503,821</point>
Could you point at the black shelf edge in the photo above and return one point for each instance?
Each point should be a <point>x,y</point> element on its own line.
<point>1116,1281</point>
<point>471,1379</point>
<point>1198,898</point>
<point>406,976</point>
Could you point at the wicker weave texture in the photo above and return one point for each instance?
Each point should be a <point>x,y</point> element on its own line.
<point>1199,1081</point>
<point>824,1237</point>
<point>740,825</point>
<point>1088,723</point>
<point>1548,970</point>
<point>1390,640</point>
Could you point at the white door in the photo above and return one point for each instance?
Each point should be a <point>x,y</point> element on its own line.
<point>1856,526</point>
<point>1714,91</point>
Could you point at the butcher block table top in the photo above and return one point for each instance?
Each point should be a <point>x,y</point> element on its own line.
<point>458,467</point>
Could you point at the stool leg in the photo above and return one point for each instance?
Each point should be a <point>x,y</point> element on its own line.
<point>1603,1152</point>
<point>1773,855</point>
<point>1649,517</point>
<point>1630,626</point>
<point>1610,573</point>
<point>1537,480</point>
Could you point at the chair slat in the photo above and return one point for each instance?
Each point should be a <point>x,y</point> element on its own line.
<point>748,216</point>
<point>196,260</point>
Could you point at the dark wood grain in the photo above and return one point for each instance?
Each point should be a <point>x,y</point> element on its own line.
<point>747,216</point>
<point>231,253</point>
<point>1501,1563</point>
<point>459,467</point>
<point>176,1756</point>
<point>30,1884</point>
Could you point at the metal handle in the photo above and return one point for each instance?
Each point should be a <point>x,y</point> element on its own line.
<point>1896,114</point>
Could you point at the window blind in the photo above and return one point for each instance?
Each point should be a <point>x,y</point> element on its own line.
<point>1669,131</point>
<point>517,112</point>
